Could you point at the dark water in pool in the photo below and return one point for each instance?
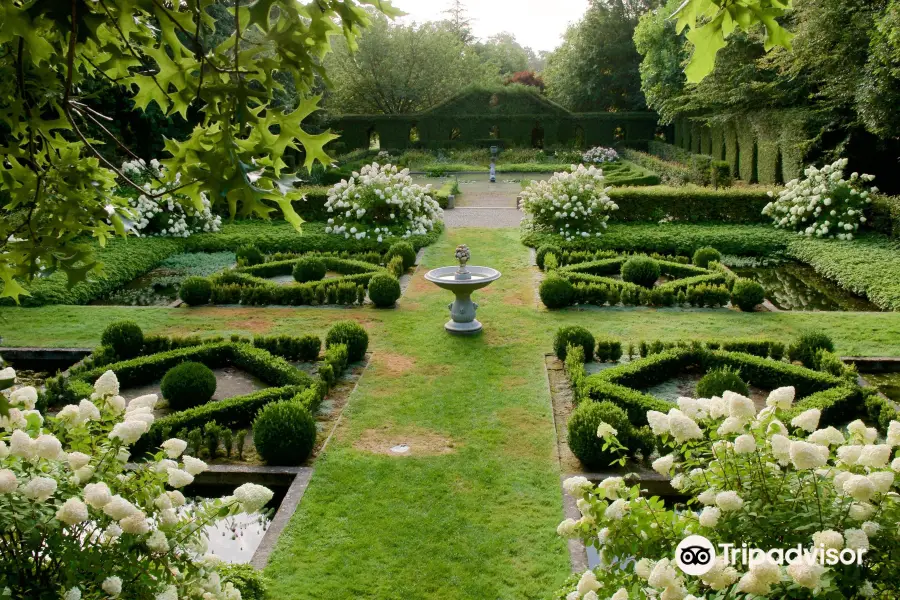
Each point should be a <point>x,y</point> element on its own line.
<point>793,286</point>
<point>887,383</point>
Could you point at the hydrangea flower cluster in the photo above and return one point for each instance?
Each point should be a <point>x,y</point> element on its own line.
<point>165,216</point>
<point>599,154</point>
<point>773,479</point>
<point>823,204</point>
<point>63,480</point>
<point>574,205</point>
<point>381,203</point>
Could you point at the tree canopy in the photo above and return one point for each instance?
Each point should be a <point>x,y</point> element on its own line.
<point>401,68</point>
<point>597,66</point>
<point>56,189</point>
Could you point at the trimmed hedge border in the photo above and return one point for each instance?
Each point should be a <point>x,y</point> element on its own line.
<point>690,204</point>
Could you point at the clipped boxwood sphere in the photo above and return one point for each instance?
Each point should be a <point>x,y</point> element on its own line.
<point>384,289</point>
<point>576,336</point>
<point>719,381</point>
<point>807,347</point>
<point>583,438</point>
<point>309,268</point>
<point>543,251</point>
<point>704,256</point>
<point>556,291</point>
<point>188,384</point>
<point>404,250</point>
<point>352,335</point>
<point>284,433</point>
<point>124,337</point>
<point>195,291</point>
<point>641,270</point>
<point>249,255</point>
<point>747,294</point>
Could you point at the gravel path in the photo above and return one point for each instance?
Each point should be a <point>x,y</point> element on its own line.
<point>482,217</point>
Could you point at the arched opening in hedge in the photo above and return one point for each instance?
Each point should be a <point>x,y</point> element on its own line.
<point>737,159</point>
<point>495,132</point>
<point>537,136</point>
<point>455,134</point>
<point>779,168</point>
<point>374,139</point>
<point>579,137</point>
<point>414,134</point>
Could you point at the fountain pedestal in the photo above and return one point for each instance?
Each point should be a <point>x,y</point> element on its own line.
<point>462,284</point>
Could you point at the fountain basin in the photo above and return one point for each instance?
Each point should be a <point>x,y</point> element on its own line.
<point>462,309</point>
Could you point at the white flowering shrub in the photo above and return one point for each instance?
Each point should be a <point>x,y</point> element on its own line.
<point>753,478</point>
<point>823,203</point>
<point>572,204</point>
<point>381,203</point>
<point>167,215</point>
<point>75,523</point>
<point>599,154</point>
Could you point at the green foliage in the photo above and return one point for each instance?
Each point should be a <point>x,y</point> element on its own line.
<point>309,268</point>
<point>831,363</point>
<point>608,350</point>
<point>384,289</point>
<point>56,186</point>
<point>249,255</point>
<point>583,440</point>
<point>602,37</point>
<point>573,335</point>
<point>556,291</point>
<point>747,294</point>
<point>124,337</point>
<point>543,251</point>
<point>249,581</point>
<point>195,291</point>
<point>351,334</point>
<point>395,266</point>
<point>284,433</point>
<point>641,270</point>
<point>404,250</point>
<point>719,381</point>
<point>574,366</point>
<point>807,346</point>
<point>188,384</point>
<point>704,256</point>
<point>304,348</point>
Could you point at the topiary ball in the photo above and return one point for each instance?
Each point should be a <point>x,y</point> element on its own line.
<point>188,384</point>
<point>807,346</point>
<point>747,294</point>
<point>309,268</point>
<point>384,289</point>
<point>556,291</point>
<point>284,433</point>
<point>249,255</point>
<point>576,336</point>
<point>404,250</point>
<point>351,334</point>
<point>704,256</point>
<point>641,270</point>
<point>583,440</point>
<point>719,381</point>
<point>124,337</point>
<point>195,291</point>
<point>542,253</point>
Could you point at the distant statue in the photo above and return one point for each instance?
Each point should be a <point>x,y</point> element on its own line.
<point>493,172</point>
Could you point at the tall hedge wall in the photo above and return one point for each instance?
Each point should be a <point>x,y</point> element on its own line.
<point>502,117</point>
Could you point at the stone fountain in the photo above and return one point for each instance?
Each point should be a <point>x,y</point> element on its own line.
<point>462,281</point>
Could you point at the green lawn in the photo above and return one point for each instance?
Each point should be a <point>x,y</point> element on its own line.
<point>472,512</point>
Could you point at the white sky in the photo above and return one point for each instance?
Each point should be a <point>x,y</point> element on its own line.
<point>536,23</point>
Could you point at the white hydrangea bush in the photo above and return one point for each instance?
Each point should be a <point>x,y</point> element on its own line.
<point>380,202</point>
<point>599,154</point>
<point>75,523</point>
<point>572,204</point>
<point>823,204</point>
<point>165,216</point>
<point>756,478</point>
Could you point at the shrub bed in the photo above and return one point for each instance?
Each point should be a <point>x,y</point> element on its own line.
<point>690,204</point>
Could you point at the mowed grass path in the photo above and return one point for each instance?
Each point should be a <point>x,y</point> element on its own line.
<point>472,511</point>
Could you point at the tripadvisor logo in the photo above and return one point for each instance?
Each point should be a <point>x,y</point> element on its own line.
<point>696,555</point>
